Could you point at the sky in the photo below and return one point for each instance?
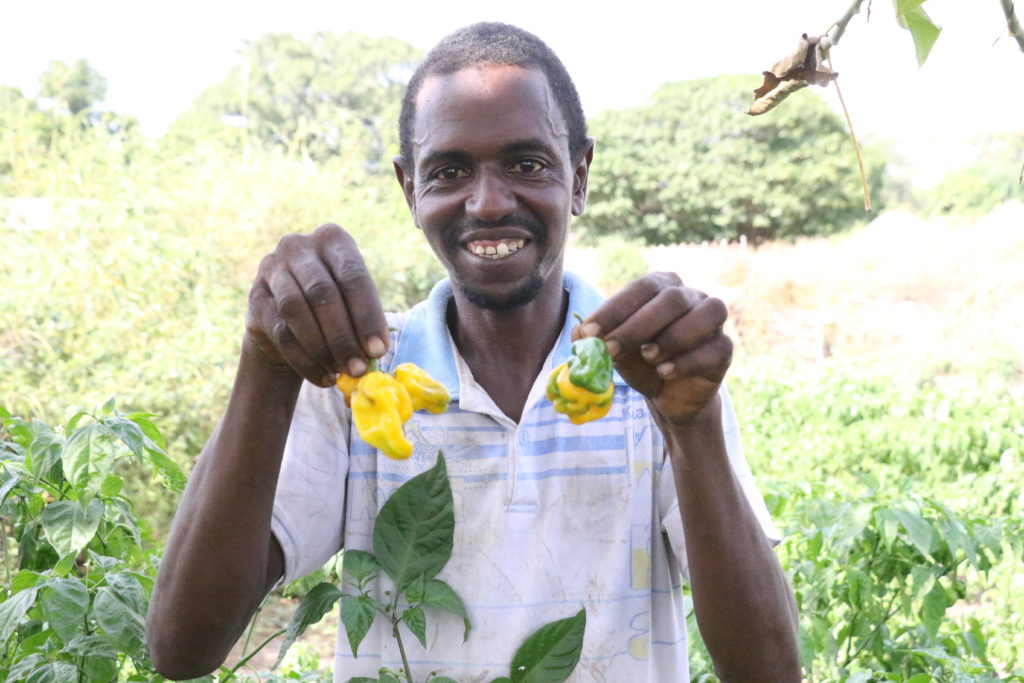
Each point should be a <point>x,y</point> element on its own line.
<point>157,57</point>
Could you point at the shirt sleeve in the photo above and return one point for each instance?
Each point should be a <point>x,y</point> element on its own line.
<point>672,523</point>
<point>309,505</point>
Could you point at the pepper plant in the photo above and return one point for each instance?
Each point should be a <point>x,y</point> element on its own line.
<point>412,541</point>
<point>76,574</point>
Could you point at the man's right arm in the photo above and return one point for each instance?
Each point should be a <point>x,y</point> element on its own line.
<point>313,312</point>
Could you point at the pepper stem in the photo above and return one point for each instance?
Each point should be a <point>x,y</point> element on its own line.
<point>374,365</point>
<point>579,318</point>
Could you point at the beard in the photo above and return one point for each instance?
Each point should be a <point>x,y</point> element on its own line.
<point>521,295</point>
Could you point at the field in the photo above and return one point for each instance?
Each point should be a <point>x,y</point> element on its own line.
<point>878,376</point>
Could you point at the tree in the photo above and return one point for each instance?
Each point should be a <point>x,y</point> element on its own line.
<point>332,95</point>
<point>74,87</point>
<point>691,166</point>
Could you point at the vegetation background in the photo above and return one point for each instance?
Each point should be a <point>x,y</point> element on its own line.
<point>878,371</point>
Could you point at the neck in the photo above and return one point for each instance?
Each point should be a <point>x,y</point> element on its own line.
<point>505,349</point>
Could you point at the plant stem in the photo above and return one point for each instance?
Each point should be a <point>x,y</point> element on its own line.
<point>252,626</point>
<point>839,27</point>
<point>245,660</point>
<point>856,147</point>
<point>401,648</point>
<point>1012,23</point>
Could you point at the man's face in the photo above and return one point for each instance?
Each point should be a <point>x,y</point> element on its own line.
<point>491,183</point>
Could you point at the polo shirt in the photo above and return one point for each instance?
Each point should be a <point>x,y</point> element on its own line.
<point>550,517</point>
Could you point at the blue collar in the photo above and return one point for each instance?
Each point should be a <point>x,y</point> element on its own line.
<point>426,341</point>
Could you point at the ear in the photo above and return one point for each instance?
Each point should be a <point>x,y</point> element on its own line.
<point>580,174</point>
<point>404,175</point>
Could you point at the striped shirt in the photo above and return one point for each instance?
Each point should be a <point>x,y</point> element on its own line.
<point>549,516</point>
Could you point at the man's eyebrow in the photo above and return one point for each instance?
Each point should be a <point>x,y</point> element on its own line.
<point>527,145</point>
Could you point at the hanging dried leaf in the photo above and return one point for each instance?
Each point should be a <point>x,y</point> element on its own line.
<point>794,72</point>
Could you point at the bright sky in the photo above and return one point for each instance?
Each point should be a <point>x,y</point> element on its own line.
<point>158,56</point>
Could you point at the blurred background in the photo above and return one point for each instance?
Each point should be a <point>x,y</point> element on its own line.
<point>150,155</point>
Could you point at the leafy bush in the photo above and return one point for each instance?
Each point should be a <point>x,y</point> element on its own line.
<point>690,166</point>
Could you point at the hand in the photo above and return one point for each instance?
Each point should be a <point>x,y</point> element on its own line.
<point>314,309</point>
<point>667,343</point>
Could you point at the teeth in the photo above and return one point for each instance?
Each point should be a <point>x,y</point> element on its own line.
<point>502,249</point>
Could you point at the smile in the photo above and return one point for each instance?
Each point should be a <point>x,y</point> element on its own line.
<point>495,249</point>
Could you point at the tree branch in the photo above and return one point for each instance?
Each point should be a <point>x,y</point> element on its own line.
<point>837,30</point>
<point>1012,23</point>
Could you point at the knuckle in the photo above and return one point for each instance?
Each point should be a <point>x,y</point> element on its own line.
<point>291,307</point>
<point>719,311</point>
<point>318,293</point>
<point>281,334</point>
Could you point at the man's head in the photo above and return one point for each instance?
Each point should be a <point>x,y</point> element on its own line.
<point>491,43</point>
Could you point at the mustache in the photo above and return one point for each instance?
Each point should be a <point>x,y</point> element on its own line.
<point>535,227</point>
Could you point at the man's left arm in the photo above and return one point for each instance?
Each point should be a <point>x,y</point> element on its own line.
<point>668,343</point>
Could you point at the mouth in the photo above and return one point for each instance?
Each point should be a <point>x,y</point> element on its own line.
<point>495,249</point>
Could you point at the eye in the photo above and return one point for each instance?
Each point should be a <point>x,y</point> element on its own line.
<point>528,166</point>
<point>449,173</point>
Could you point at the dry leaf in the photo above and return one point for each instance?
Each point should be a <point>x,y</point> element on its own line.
<point>795,71</point>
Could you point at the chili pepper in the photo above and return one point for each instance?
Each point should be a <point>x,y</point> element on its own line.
<point>382,403</point>
<point>425,391</point>
<point>380,406</point>
<point>347,384</point>
<point>582,387</point>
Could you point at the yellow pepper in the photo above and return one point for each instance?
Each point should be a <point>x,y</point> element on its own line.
<point>382,403</point>
<point>380,406</point>
<point>425,391</point>
<point>578,404</point>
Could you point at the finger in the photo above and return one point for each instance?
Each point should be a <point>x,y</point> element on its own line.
<point>265,321</point>
<point>296,319</point>
<point>710,361</point>
<point>647,323</point>
<point>347,267</point>
<point>614,312</point>
<point>700,324</point>
<point>342,351</point>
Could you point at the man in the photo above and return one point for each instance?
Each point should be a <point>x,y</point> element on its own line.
<point>549,516</point>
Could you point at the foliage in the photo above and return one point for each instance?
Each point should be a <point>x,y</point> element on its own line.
<point>903,549</point>
<point>74,87</point>
<point>79,574</point>
<point>619,262</point>
<point>691,166</point>
<point>333,95</point>
<point>412,541</point>
<point>992,179</point>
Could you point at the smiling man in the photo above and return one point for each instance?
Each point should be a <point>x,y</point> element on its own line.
<point>549,515</point>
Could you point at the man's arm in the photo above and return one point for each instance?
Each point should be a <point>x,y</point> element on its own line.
<point>668,344</point>
<point>313,312</point>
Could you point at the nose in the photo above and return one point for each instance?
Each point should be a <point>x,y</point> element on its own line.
<point>491,197</point>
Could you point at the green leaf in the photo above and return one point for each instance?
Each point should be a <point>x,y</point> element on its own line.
<point>388,677</point>
<point>416,621</point>
<point>440,595</point>
<point>69,525</point>
<point>552,652</point>
<point>415,590</point>
<point>503,679</point>
<point>89,456</point>
<point>312,608</point>
<point>128,432</point>
<point>45,672</point>
<point>362,679</point>
<point>414,530</point>
<point>119,609</point>
<point>90,645</point>
<point>357,614</point>
<point>934,609</point>
<point>911,16</point>
<point>64,603</point>
<point>442,679</point>
<point>920,678</point>
<point>170,474</point>
<point>920,532</point>
<point>360,565</point>
<point>150,429</point>
<point>13,610</point>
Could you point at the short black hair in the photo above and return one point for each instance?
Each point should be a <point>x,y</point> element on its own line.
<point>495,43</point>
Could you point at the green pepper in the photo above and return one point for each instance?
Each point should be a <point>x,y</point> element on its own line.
<point>581,388</point>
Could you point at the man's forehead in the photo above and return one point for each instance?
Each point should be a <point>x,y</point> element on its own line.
<point>486,91</point>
